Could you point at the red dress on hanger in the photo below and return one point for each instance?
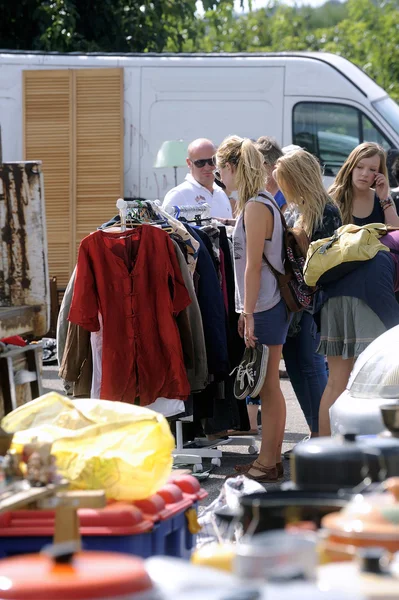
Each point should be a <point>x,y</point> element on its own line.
<point>134,280</point>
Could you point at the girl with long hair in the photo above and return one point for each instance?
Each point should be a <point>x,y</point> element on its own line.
<point>299,176</point>
<point>361,188</point>
<point>357,308</point>
<point>263,319</point>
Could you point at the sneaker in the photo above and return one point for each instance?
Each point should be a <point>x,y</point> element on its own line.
<point>257,369</point>
<point>49,351</point>
<point>241,383</point>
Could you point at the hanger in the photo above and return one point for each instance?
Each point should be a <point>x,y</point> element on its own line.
<point>198,220</point>
<point>134,213</point>
<point>143,211</point>
<point>200,214</point>
<point>126,220</point>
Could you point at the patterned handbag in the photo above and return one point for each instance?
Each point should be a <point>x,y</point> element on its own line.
<point>296,294</point>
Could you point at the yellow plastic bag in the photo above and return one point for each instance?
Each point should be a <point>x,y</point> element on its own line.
<point>121,448</point>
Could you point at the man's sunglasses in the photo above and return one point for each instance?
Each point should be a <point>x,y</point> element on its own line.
<point>201,162</point>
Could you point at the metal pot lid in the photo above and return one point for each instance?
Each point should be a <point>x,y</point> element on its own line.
<point>339,447</point>
<point>348,446</point>
<point>375,515</point>
<point>292,497</point>
<point>81,576</point>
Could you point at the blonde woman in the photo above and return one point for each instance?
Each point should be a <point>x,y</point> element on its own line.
<point>361,188</point>
<point>354,310</point>
<point>299,176</point>
<point>263,319</point>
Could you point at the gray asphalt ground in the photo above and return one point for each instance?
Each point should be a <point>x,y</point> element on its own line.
<point>296,429</point>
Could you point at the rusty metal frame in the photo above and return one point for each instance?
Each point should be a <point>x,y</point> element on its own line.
<point>24,277</point>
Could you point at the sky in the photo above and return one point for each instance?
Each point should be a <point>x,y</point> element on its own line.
<point>256,4</point>
<point>260,3</point>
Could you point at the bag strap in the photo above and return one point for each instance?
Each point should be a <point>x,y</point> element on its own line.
<point>283,221</point>
<point>276,273</point>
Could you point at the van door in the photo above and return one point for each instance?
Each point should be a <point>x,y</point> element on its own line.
<point>213,102</point>
<point>330,129</point>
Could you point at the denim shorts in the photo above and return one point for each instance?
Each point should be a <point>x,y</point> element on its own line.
<point>271,326</point>
<point>253,401</point>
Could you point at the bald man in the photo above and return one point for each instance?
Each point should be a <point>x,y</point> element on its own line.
<point>199,185</point>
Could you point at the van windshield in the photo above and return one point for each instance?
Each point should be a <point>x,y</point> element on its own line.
<point>389,110</point>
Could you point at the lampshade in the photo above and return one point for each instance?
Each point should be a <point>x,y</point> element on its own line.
<point>172,153</point>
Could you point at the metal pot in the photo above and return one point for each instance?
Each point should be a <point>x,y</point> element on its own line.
<point>265,511</point>
<point>370,520</point>
<point>346,461</point>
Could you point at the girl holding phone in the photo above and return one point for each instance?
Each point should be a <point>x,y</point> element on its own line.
<point>361,188</point>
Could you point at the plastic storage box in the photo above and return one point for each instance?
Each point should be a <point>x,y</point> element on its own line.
<point>155,526</point>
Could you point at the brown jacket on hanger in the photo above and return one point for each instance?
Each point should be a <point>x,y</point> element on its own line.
<point>77,362</point>
<point>198,373</point>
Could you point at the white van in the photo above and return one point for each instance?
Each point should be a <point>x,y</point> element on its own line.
<point>57,107</point>
<point>317,100</point>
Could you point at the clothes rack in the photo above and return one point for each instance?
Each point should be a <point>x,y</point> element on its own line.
<point>189,455</point>
<point>202,210</point>
<point>182,455</point>
<point>194,456</point>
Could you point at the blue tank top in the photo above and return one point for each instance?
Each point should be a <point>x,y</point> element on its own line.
<point>376,215</point>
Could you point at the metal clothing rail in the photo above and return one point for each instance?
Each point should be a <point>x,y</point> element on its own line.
<point>193,455</point>
<point>196,209</point>
<point>139,203</point>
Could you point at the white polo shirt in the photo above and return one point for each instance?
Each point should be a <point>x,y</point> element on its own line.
<point>190,193</point>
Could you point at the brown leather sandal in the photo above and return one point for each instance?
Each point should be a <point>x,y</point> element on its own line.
<point>269,474</point>
<point>243,469</point>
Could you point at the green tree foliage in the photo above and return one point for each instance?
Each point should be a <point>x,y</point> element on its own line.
<point>20,24</point>
<point>369,37</point>
<point>102,25</point>
<point>364,31</point>
<point>277,27</point>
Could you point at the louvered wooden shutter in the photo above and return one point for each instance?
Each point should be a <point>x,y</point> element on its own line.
<point>48,137</point>
<point>99,147</point>
<point>73,122</point>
